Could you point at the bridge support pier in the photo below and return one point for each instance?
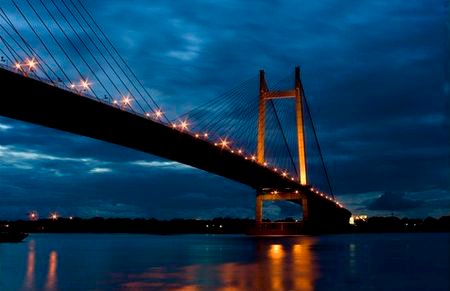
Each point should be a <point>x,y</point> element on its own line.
<point>259,209</point>
<point>305,206</point>
<point>279,228</point>
<point>319,214</point>
<point>296,197</point>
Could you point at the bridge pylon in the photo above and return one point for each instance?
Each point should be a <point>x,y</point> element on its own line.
<point>296,93</point>
<point>264,95</point>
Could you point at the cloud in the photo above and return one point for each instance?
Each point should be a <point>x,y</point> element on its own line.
<point>274,210</point>
<point>100,170</point>
<point>190,51</point>
<point>392,201</point>
<point>162,164</point>
<point>10,153</point>
<point>14,157</point>
<point>375,74</point>
<point>111,209</point>
<point>4,127</point>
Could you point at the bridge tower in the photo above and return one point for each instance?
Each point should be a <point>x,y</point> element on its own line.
<point>264,95</point>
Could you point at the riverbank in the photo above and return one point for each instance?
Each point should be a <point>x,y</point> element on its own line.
<point>216,225</point>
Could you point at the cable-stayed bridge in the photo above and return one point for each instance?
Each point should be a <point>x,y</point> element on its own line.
<point>60,70</point>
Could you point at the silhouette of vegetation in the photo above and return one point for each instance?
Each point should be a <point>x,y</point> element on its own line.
<point>213,226</point>
<point>395,224</point>
<point>127,225</point>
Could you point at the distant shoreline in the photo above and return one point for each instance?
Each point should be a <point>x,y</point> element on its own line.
<point>214,226</point>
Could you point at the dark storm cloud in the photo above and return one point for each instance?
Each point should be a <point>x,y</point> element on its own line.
<point>392,201</point>
<point>376,77</point>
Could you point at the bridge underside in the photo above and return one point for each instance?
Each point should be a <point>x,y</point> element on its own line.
<point>318,214</point>
<point>30,100</point>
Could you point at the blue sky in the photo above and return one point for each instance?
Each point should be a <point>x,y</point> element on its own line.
<point>377,78</point>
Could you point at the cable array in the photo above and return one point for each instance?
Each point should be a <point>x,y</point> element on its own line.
<point>230,121</point>
<point>60,43</point>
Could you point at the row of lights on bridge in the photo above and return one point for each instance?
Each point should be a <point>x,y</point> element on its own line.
<point>224,143</point>
<point>30,65</point>
<point>126,101</point>
<point>84,85</point>
<point>315,191</point>
<point>324,195</point>
<point>26,67</point>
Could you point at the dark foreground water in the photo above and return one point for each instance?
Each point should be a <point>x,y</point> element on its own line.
<point>235,262</point>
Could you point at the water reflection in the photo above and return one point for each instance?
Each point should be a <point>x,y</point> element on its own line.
<point>352,259</point>
<point>51,279</point>
<point>197,262</point>
<point>278,266</point>
<point>31,262</point>
<point>276,263</point>
<point>50,285</point>
<point>304,264</point>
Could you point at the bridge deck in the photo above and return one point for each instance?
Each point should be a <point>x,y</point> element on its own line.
<point>30,100</point>
<point>43,104</point>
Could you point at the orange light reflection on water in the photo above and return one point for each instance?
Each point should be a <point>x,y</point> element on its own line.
<point>31,262</point>
<point>303,262</point>
<point>277,266</point>
<point>52,268</point>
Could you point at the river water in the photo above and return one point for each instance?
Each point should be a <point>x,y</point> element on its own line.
<point>226,262</point>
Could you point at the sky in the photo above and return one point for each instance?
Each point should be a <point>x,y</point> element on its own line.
<point>377,78</point>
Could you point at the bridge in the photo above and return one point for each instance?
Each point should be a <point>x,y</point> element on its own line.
<point>42,92</point>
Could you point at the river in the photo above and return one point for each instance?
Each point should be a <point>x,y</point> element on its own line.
<point>410,261</point>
